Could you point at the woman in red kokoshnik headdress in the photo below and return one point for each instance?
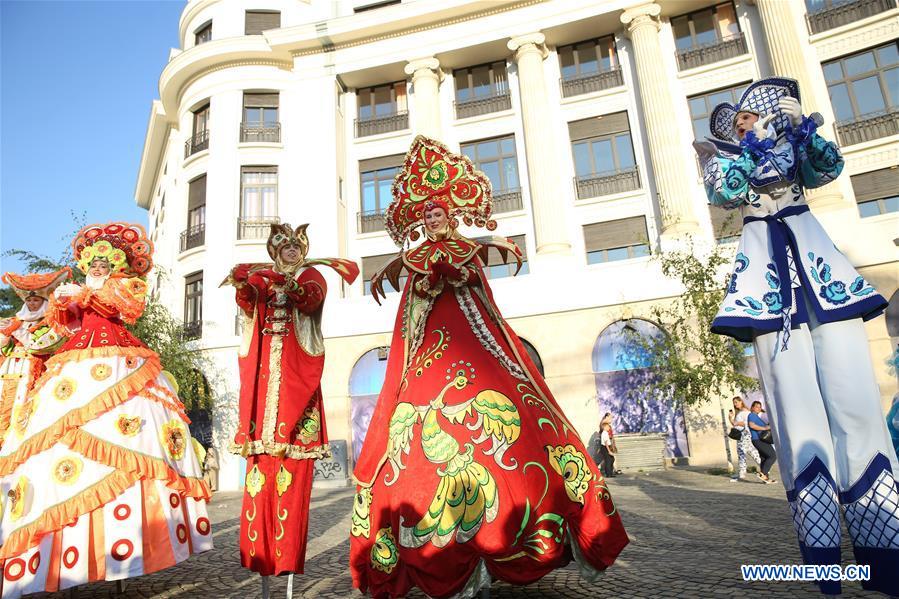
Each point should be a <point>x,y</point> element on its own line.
<point>469,471</point>
<point>98,477</point>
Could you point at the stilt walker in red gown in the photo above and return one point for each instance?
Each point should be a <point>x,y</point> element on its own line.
<point>282,422</point>
<point>470,470</point>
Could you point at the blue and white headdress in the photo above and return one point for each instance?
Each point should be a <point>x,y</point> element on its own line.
<point>760,98</point>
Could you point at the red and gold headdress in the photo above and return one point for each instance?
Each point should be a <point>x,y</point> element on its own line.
<point>39,284</point>
<point>432,173</point>
<point>125,246</point>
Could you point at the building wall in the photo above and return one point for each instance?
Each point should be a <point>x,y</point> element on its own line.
<point>323,52</point>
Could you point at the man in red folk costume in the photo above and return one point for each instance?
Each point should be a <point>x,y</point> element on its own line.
<point>470,470</point>
<point>26,339</point>
<point>98,477</point>
<point>282,423</point>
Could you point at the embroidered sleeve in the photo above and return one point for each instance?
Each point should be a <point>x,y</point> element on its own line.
<point>820,161</point>
<point>726,181</point>
<point>124,297</point>
<point>245,296</point>
<point>306,296</point>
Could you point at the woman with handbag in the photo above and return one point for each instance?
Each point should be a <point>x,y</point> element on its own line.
<point>740,433</point>
<point>762,440</point>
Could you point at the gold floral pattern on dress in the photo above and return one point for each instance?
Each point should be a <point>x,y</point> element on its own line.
<point>174,439</point>
<point>64,389</point>
<point>571,465</point>
<point>101,372</point>
<point>283,480</point>
<point>17,498</point>
<point>309,425</point>
<point>255,481</point>
<point>67,469</point>
<point>128,425</point>
<point>362,513</point>
<point>384,554</point>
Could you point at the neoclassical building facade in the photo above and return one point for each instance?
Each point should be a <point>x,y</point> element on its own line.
<point>581,113</point>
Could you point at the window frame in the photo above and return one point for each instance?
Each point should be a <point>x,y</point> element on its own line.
<point>394,102</point>
<point>500,159</point>
<point>615,154</point>
<point>848,80</point>
<point>205,28</point>
<point>203,111</point>
<point>718,37</point>
<point>379,207</point>
<point>255,11</point>
<point>261,186</point>
<point>497,90</point>
<point>193,298</point>
<point>615,62</point>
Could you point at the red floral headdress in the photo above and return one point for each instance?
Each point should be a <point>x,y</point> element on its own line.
<point>125,246</point>
<point>433,174</point>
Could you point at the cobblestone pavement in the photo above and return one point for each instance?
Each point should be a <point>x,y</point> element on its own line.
<point>690,531</point>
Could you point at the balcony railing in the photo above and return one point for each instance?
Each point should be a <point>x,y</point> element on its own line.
<point>702,54</point>
<point>255,227</point>
<point>501,100</point>
<point>198,142</point>
<point>370,221</point>
<point>606,183</point>
<point>192,330</point>
<point>866,127</point>
<point>584,84</point>
<point>846,12</point>
<point>506,200</point>
<point>260,132</point>
<point>382,124</point>
<point>193,237</point>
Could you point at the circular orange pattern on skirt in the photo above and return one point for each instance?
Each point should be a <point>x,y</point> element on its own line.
<point>181,533</point>
<point>34,562</point>
<point>122,549</point>
<point>203,526</point>
<point>14,570</point>
<point>70,557</point>
<point>101,372</point>
<point>64,389</point>
<point>174,500</point>
<point>121,512</point>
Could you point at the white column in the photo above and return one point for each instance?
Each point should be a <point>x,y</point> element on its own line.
<point>549,216</point>
<point>665,149</point>
<point>426,77</point>
<point>792,56</point>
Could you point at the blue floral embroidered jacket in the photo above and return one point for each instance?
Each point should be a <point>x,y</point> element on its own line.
<point>781,239</point>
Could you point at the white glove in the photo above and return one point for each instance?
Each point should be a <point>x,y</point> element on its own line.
<point>760,127</point>
<point>67,290</point>
<point>790,107</point>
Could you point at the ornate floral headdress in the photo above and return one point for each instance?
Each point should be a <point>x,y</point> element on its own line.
<point>760,98</point>
<point>39,284</point>
<point>124,245</point>
<point>433,174</point>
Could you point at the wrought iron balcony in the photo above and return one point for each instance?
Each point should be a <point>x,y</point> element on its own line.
<point>841,13</point>
<point>507,200</point>
<point>501,100</point>
<point>255,227</point>
<point>382,124</point>
<point>192,330</point>
<point>584,84</point>
<point>193,237</point>
<point>595,185</point>
<point>196,143</point>
<point>260,132</point>
<point>370,221</point>
<point>702,54</point>
<point>866,127</point>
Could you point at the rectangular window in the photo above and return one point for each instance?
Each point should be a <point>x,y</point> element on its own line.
<point>588,58</point>
<point>877,192</point>
<point>375,180</point>
<point>196,202</point>
<point>497,159</point>
<point>382,100</point>
<point>200,138</point>
<point>603,154</point>
<point>865,84</point>
<point>701,107</point>
<point>193,305</point>
<point>258,192</point>
<point>705,27</point>
<point>371,265</point>
<point>203,34</point>
<point>258,21</point>
<point>616,240</point>
<point>201,119</point>
<point>495,269</point>
<point>260,117</point>
<point>482,81</point>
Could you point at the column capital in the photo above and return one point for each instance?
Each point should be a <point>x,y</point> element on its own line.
<point>415,67</point>
<point>643,14</point>
<point>529,42</point>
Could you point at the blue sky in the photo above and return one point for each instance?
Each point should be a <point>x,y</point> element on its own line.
<point>76,82</point>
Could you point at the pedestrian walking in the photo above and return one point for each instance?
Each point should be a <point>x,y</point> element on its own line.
<point>738,420</point>
<point>762,440</point>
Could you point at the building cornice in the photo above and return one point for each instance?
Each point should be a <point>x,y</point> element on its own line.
<point>154,145</point>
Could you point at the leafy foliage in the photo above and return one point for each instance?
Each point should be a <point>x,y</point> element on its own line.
<point>692,363</point>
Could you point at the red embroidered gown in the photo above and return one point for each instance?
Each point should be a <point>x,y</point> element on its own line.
<point>470,470</point>
<point>282,424</point>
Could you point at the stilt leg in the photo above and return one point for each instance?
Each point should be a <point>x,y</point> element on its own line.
<point>266,590</point>
<point>290,586</point>
<point>485,593</point>
<point>119,587</point>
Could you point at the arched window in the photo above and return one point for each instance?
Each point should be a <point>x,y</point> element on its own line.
<point>532,352</point>
<point>621,363</point>
<point>366,380</point>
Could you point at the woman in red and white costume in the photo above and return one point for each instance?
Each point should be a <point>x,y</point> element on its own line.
<point>98,477</point>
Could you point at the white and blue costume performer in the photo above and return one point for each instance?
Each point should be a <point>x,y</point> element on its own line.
<point>797,298</point>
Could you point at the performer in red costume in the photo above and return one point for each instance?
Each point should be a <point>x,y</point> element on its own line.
<point>282,423</point>
<point>469,471</point>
